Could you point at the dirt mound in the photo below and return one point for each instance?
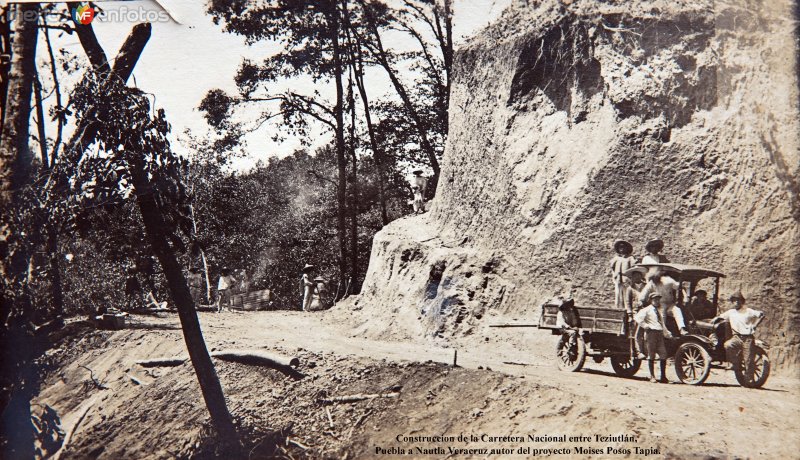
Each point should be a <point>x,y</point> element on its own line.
<point>576,123</point>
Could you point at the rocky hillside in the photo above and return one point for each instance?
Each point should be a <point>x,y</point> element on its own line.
<point>573,123</point>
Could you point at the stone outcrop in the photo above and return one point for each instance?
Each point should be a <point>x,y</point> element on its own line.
<point>576,123</point>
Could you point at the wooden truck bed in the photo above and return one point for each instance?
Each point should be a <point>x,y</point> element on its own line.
<point>592,319</point>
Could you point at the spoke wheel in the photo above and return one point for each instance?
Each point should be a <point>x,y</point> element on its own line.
<point>570,358</point>
<point>761,369</point>
<point>692,363</point>
<point>625,366</point>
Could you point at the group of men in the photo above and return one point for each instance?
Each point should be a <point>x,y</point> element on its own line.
<point>650,295</point>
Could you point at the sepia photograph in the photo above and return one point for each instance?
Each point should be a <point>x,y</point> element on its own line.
<point>384,229</point>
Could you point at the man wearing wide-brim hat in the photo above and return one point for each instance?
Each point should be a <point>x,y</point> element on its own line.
<point>652,252</point>
<point>743,321</point>
<point>307,286</point>
<point>621,262</point>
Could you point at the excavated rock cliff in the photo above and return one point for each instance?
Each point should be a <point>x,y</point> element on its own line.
<point>576,123</point>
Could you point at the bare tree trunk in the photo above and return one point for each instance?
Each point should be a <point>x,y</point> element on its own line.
<point>56,291</point>
<point>15,155</point>
<point>202,256</point>
<point>357,64</point>
<point>5,63</point>
<point>376,151</point>
<point>354,189</point>
<point>15,165</point>
<point>382,59</point>
<point>155,229</point>
<point>181,296</point>
<point>40,123</point>
<point>341,193</point>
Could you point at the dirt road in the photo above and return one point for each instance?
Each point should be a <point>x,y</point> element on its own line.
<point>720,415</point>
<point>517,401</point>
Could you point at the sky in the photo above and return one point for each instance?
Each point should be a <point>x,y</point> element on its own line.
<point>188,55</point>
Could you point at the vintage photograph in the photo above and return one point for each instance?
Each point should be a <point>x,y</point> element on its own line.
<point>383,229</point>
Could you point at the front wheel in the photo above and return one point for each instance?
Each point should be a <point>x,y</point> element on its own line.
<point>692,363</point>
<point>570,353</point>
<point>625,366</point>
<point>760,370</point>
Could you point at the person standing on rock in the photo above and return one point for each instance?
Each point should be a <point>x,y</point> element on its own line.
<point>418,186</point>
<point>653,254</point>
<point>619,264</point>
<point>307,286</point>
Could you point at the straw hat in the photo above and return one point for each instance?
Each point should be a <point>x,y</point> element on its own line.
<point>654,246</point>
<point>623,246</point>
<point>307,268</point>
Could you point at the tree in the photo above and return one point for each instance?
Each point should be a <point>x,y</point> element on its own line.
<point>15,168</point>
<point>434,88</point>
<point>139,157</point>
<point>312,35</point>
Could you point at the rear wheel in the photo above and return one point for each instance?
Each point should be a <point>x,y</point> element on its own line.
<point>761,369</point>
<point>625,366</point>
<point>692,363</point>
<point>570,356</point>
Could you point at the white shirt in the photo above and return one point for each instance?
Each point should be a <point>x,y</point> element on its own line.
<point>648,318</point>
<point>743,323</point>
<point>223,284</point>
<point>667,289</point>
<point>653,259</point>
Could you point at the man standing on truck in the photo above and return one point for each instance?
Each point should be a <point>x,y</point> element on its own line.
<point>653,254</point>
<point>743,321</point>
<point>619,264</point>
<point>658,282</point>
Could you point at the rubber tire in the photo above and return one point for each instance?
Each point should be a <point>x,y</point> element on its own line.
<point>625,368</point>
<point>570,365</point>
<point>765,368</point>
<point>698,358</point>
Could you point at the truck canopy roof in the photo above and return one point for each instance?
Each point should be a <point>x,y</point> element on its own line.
<point>684,272</point>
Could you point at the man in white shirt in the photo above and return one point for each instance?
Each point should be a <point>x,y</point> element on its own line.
<point>649,318</point>
<point>653,254</point>
<point>743,321</point>
<point>224,290</point>
<point>658,282</point>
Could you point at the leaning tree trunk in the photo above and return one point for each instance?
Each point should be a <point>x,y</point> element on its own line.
<point>155,226</point>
